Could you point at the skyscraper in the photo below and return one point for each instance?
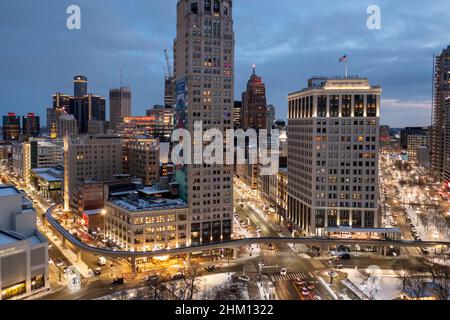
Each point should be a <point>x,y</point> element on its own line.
<point>333,157</point>
<point>271,116</point>
<point>254,116</point>
<point>254,104</point>
<point>30,126</point>
<point>440,129</point>
<point>80,86</point>
<point>87,108</point>
<point>204,81</point>
<point>11,127</point>
<point>169,92</point>
<point>237,115</point>
<point>119,106</point>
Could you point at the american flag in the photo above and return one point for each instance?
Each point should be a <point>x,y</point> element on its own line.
<point>343,59</point>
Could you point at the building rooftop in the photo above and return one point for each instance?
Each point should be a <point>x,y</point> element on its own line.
<point>141,204</point>
<point>8,238</point>
<point>8,191</point>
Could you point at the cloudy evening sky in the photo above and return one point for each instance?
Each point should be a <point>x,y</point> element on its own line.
<point>289,40</point>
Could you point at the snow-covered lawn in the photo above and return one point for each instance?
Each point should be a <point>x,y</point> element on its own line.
<point>426,234</point>
<point>383,285</point>
<point>208,284</point>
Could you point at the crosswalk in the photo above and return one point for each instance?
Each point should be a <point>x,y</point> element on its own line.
<point>292,276</point>
<point>273,253</point>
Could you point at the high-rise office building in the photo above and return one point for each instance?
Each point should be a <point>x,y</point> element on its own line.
<point>31,126</point>
<point>415,142</point>
<point>11,127</point>
<point>169,92</point>
<point>204,84</point>
<point>271,116</point>
<point>119,106</point>
<point>254,104</point>
<point>254,116</point>
<point>411,131</point>
<point>441,92</point>
<point>141,159</point>
<point>333,157</point>
<point>80,88</point>
<point>95,158</point>
<point>66,127</point>
<point>237,115</point>
<point>87,108</point>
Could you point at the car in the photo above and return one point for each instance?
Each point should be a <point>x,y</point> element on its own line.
<point>152,278</point>
<point>101,261</point>
<point>178,276</point>
<point>210,268</point>
<point>270,247</point>
<point>310,286</point>
<point>345,256</point>
<point>305,292</point>
<point>258,230</point>
<point>283,272</point>
<point>244,278</point>
<point>317,298</point>
<point>339,266</point>
<point>97,271</point>
<point>118,281</point>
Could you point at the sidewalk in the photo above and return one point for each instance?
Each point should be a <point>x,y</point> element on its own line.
<point>81,266</point>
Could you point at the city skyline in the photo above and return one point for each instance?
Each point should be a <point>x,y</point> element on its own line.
<point>285,58</point>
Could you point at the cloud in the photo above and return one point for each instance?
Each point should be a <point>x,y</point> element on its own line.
<point>290,40</point>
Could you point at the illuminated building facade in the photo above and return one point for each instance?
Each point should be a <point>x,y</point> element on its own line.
<point>333,148</point>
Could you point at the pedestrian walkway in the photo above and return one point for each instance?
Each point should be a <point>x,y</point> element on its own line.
<point>81,266</point>
<point>298,276</point>
<point>273,253</point>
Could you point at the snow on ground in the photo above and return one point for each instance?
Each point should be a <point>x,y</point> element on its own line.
<point>422,232</point>
<point>208,285</point>
<point>384,285</point>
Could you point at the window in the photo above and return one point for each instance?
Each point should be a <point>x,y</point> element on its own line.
<point>359,105</point>
<point>346,106</point>
<point>334,106</point>
<point>322,106</point>
<point>371,105</point>
<point>194,7</point>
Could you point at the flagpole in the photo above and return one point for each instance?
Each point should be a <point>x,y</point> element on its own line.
<point>346,70</point>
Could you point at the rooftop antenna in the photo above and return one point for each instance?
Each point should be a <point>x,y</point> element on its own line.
<point>254,69</point>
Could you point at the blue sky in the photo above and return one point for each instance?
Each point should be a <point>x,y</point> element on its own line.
<point>289,40</point>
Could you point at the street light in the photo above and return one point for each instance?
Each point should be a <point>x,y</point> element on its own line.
<point>104,212</point>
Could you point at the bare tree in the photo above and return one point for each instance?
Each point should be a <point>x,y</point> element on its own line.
<point>414,279</point>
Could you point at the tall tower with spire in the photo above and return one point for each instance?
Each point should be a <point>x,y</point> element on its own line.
<point>254,103</point>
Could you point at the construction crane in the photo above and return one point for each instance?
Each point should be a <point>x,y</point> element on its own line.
<point>169,68</point>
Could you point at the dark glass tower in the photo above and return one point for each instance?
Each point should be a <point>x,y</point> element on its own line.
<point>80,86</point>
<point>30,126</point>
<point>11,127</point>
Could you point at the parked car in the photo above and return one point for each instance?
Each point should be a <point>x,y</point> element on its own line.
<point>178,276</point>
<point>283,272</point>
<point>270,247</point>
<point>344,256</point>
<point>210,268</point>
<point>152,279</point>
<point>118,281</point>
<point>244,278</point>
<point>98,271</point>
